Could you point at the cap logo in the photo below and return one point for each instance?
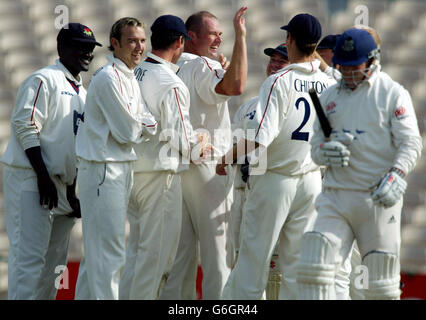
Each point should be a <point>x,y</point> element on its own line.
<point>348,45</point>
<point>87,32</point>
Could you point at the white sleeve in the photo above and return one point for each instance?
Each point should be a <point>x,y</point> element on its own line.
<point>333,73</point>
<point>268,119</point>
<point>317,139</point>
<point>405,132</point>
<point>206,78</point>
<point>123,125</point>
<point>30,113</point>
<point>175,122</point>
<point>237,120</point>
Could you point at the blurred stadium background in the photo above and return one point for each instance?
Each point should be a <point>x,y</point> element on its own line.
<point>28,42</point>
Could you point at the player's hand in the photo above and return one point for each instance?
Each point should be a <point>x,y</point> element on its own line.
<point>240,22</point>
<point>206,151</point>
<point>344,137</point>
<point>390,189</point>
<point>334,154</point>
<point>203,150</point>
<point>220,169</point>
<point>224,62</point>
<point>149,124</point>
<point>74,202</point>
<point>48,192</point>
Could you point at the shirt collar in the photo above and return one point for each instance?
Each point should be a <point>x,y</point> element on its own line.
<point>171,65</point>
<point>308,67</point>
<point>77,81</point>
<point>374,75</point>
<point>120,65</point>
<point>367,82</point>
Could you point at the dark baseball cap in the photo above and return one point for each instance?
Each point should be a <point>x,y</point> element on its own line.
<point>169,23</point>
<point>77,32</point>
<point>281,49</point>
<point>328,42</point>
<point>305,28</point>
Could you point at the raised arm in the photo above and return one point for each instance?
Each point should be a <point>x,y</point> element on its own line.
<point>234,81</point>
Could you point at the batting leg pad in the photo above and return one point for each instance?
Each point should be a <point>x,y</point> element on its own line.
<point>316,269</point>
<point>274,279</point>
<point>383,276</point>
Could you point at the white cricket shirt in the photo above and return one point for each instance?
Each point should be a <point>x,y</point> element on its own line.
<point>167,98</point>
<point>209,110</point>
<point>115,117</point>
<point>49,108</point>
<point>380,115</point>
<point>284,122</point>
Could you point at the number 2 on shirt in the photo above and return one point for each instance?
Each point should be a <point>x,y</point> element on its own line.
<point>298,134</point>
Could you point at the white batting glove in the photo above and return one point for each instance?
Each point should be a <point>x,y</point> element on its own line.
<point>334,154</point>
<point>344,137</point>
<point>390,190</point>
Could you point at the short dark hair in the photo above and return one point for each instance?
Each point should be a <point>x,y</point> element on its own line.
<point>305,48</point>
<point>195,21</point>
<point>163,40</point>
<point>118,26</point>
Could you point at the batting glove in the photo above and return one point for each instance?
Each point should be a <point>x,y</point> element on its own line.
<point>390,190</point>
<point>343,137</point>
<point>334,154</point>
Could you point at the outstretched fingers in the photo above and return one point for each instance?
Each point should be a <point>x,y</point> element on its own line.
<point>239,21</point>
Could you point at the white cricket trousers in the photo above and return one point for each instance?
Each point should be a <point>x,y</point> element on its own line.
<point>345,215</point>
<point>156,210</point>
<point>38,238</point>
<point>276,207</point>
<point>207,199</point>
<point>104,191</point>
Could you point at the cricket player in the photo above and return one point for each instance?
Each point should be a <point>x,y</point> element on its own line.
<point>278,60</point>
<point>207,197</point>
<point>115,119</point>
<point>280,202</point>
<point>157,190</point>
<point>326,48</point>
<point>364,181</point>
<point>40,167</point>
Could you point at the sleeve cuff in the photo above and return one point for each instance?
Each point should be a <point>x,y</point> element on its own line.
<point>30,143</point>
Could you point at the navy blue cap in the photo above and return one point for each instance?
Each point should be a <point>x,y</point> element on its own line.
<point>305,28</point>
<point>281,49</point>
<point>354,47</point>
<point>328,42</point>
<point>169,23</point>
<point>77,32</point>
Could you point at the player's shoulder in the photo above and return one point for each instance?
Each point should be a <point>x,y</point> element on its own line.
<point>192,61</point>
<point>210,63</point>
<point>385,81</point>
<point>157,73</point>
<point>104,74</point>
<point>48,75</point>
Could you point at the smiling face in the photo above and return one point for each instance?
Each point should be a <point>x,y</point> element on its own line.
<point>76,56</point>
<point>131,46</point>
<point>208,39</point>
<point>327,55</point>
<point>276,62</point>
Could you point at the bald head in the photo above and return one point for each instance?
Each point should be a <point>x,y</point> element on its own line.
<point>196,21</point>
